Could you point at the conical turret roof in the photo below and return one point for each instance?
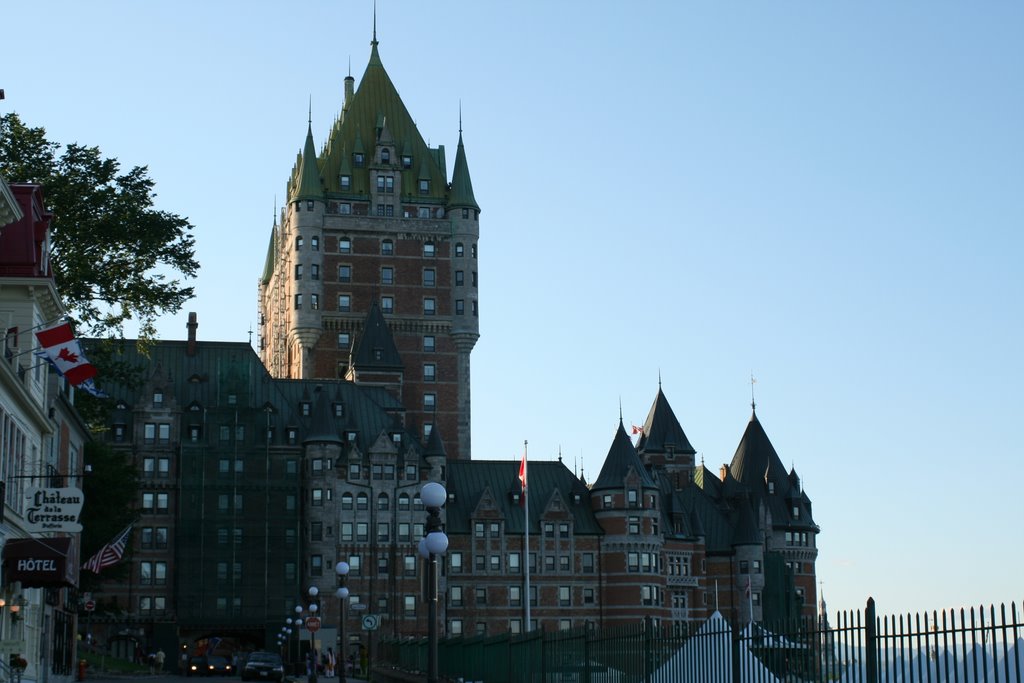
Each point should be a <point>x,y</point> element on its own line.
<point>662,431</point>
<point>621,458</point>
<point>309,185</point>
<point>323,427</point>
<point>462,184</point>
<point>376,348</point>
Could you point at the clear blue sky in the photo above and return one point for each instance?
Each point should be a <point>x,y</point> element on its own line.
<point>828,195</point>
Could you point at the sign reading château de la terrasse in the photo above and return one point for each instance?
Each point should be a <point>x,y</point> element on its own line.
<point>53,509</point>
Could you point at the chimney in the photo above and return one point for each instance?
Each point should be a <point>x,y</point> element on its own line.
<point>192,325</point>
<point>350,86</point>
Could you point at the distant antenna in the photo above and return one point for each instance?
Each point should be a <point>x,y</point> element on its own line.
<point>250,334</point>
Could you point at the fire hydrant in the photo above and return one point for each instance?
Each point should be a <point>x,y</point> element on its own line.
<point>81,669</point>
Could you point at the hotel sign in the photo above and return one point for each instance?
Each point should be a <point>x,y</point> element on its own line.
<point>53,509</point>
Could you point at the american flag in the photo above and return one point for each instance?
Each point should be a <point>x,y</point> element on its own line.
<point>110,554</point>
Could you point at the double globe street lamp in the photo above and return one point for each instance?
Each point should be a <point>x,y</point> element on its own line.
<point>340,660</point>
<point>433,544</point>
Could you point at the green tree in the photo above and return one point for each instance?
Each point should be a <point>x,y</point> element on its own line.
<point>111,491</point>
<point>115,257</point>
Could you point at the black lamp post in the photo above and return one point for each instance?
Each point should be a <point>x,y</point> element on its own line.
<point>341,569</point>
<point>433,543</point>
<point>314,607</point>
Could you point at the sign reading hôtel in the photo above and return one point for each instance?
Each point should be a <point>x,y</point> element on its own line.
<point>53,509</point>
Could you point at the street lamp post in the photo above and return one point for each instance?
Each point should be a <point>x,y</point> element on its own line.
<point>313,608</point>
<point>341,569</point>
<point>433,543</point>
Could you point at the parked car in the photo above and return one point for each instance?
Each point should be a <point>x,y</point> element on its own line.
<point>209,665</point>
<point>263,666</point>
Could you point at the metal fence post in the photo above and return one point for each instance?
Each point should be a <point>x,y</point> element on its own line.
<point>870,642</point>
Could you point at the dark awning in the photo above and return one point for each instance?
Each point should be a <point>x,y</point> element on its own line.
<point>38,562</point>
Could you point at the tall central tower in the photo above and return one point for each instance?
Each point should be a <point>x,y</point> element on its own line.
<point>373,231</point>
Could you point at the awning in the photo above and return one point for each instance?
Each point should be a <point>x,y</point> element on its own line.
<point>38,562</point>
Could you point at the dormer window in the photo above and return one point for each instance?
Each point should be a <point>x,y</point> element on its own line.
<point>305,407</point>
<point>232,399</point>
<point>771,487</point>
<point>406,161</point>
<point>424,187</point>
<point>796,512</point>
<point>385,156</point>
<point>345,182</point>
<point>358,159</point>
<point>158,399</point>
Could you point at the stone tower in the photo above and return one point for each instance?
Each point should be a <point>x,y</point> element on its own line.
<point>373,219</point>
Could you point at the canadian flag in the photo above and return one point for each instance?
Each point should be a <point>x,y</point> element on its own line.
<point>62,349</point>
<point>522,478</point>
<point>638,430</point>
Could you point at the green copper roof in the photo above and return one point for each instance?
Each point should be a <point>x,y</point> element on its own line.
<point>268,265</point>
<point>376,348</point>
<point>621,458</point>
<point>309,185</point>
<point>376,105</point>
<point>462,185</point>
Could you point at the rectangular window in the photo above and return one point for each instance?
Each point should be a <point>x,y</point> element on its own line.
<point>387,248</point>
<point>344,302</point>
<point>149,433</point>
<point>423,212</point>
<point>455,562</point>
<point>428,342</point>
<point>345,182</point>
<point>424,187</point>
<point>344,245</point>
<point>344,339</point>
<point>460,278</point>
<point>387,275</point>
<point>298,271</point>
<point>429,372</point>
<point>460,307</point>
<point>298,301</point>
<point>314,272</point>
<point>563,596</point>
<point>344,273</point>
<point>480,595</point>
<point>429,277</point>
<point>455,596</point>
<point>429,401</point>
<point>429,250</point>
<point>387,304</point>
<point>314,302</point>
<point>316,565</point>
<point>429,306</point>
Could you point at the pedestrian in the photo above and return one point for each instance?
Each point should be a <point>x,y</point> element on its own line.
<point>330,662</point>
<point>159,659</point>
<point>151,658</point>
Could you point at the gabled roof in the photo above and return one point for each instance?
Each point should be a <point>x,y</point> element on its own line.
<point>621,458</point>
<point>462,184</point>
<point>375,349</point>
<point>376,101</point>
<point>467,479</point>
<point>662,432</point>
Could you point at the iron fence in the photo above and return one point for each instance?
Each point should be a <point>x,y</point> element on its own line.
<point>954,646</point>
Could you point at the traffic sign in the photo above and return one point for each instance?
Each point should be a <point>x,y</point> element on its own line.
<point>371,622</point>
<point>357,606</point>
<point>312,624</point>
<point>90,605</point>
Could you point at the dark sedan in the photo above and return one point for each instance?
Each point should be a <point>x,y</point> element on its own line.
<point>263,666</point>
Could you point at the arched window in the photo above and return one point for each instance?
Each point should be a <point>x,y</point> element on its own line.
<point>346,501</point>
<point>403,501</point>
<point>383,502</point>
<point>362,501</point>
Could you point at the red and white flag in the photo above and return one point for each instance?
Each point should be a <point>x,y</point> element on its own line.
<point>638,430</point>
<point>62,349</point>
<point>522,477</point>
<point>110,554</point>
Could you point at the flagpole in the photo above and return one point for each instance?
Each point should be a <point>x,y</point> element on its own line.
<point>526,543</point>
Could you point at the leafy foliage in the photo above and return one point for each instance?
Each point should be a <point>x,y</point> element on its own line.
<point>115,257</point>
<point>110,492</point>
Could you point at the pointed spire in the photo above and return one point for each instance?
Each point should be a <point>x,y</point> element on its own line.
<point>322,428</point>
<point>376,346</point>
<point>309,185</point>
<point>621,458</point>
<point>435,446</point>
<point>374,42</point>
<point>462,185</point>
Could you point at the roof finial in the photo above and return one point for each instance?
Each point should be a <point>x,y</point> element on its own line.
<point>620,410</point>
<point>310,121</point>
<point>460,116</point>
<point>753,381</point>
<point>374,23</point>
<point>250,334</point>
<point>559,452</point>
<point>659,379</point>
<point>350,66</point>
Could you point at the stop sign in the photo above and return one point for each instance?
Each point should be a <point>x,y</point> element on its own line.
<point>312,624</point>
<point>90,605</point>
